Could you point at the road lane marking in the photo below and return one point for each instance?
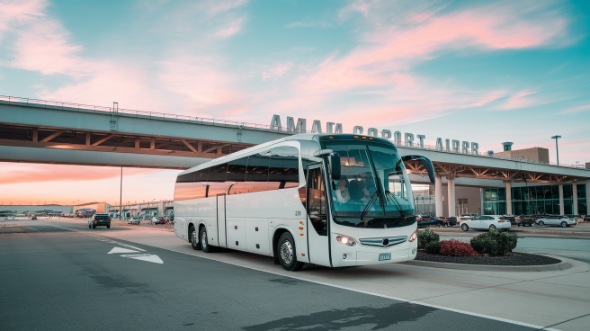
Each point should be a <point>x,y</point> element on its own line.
<point>144,257</point>
<point>119,250</point>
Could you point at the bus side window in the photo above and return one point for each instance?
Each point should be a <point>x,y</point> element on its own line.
<point>317,207</point>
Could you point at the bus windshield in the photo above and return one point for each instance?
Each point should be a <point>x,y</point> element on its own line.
<point>373,190</point>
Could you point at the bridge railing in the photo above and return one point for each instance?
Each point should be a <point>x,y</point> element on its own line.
<point>79,106</point>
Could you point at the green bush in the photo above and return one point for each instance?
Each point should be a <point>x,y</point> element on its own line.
<point>425,237</point>
<point>433,247</point>
<point>494,243</point>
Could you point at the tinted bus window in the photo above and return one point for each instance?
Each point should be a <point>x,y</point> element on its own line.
<point>216,177</point>
<point>236,170</point>
<point>284,167</point>
<point>257,173</point>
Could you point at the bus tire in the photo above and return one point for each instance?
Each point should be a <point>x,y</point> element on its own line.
<point>287,253</point>
<point>193,238</point>
<point>203,240</point>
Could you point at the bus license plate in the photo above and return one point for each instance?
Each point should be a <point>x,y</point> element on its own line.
<point>384,256</point>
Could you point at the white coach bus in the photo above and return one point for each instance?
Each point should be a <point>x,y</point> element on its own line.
<point>328,199</point>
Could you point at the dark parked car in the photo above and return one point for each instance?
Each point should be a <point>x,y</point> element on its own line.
<point>527,220</point>
<point>99,220</point>
<point>510,219</point>
<point>425,221</point>
<point>445,221</point>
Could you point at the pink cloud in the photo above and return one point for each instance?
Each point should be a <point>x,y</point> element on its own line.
<point>19,11</point>
<point>521,99</point>
<point>276,71</point>
<point>44,47</point>
<point>381,65</point>
<point>199,79</point>
<point>577,109</point>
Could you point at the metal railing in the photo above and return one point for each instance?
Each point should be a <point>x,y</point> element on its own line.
<point>142,113</point>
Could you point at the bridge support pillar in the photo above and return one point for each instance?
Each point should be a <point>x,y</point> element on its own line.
<point>508,197</point>
<point>575,198</point>
<point>451,194</point>
<point>561,206</point>
<point>438,203</point>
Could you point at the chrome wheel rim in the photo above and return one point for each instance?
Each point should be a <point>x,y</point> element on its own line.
<point>287,252</point>
<point>204,239</point>
<point>194,237</point>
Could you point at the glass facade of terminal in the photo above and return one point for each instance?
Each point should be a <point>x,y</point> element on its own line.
<point>534,200</point>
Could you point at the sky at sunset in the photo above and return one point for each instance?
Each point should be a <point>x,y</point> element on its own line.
<point>481,71</point>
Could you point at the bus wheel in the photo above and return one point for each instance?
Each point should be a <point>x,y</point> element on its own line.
<point>287,253</point>
<point>193,238</point>
<point>203,240</point>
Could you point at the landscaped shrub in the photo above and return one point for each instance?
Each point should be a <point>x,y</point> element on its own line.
<point>433,247</point>
<point>426,236</point>
<point>455,247</point>
<point>494,243</point>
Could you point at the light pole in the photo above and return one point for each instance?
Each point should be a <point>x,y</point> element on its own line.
<point>556,147</point>
<point>121,196</point>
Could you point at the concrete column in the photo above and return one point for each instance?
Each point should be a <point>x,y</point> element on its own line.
<point>575,198</point>
<point>561,206</point>
<point>438,204</point>
<point>451,194</point>
<point>508,197</point>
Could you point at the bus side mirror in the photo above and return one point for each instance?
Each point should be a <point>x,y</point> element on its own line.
<point>425,162</point>
<point>335,168</point>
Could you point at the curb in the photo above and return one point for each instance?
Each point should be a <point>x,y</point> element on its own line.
<point>563,265</point>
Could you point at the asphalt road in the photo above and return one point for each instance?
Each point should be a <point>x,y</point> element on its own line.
<point>57,277</point>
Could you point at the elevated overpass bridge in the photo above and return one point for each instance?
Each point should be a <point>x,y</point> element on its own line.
<point>40,131</point>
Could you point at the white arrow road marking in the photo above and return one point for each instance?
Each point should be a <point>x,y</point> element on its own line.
<point>145,257</point>
<point>121,244</point>
<point>119,250</point>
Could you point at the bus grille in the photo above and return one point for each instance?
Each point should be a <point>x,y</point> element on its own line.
<point>383,242</point>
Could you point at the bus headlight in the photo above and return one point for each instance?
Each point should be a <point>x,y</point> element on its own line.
<point>345,240</point>
<point>413,237</point>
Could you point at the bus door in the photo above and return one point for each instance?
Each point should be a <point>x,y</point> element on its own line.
<point>318,225</point>
<point>221,221</point>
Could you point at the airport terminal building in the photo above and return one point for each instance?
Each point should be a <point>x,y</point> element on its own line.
<point>514,182</point>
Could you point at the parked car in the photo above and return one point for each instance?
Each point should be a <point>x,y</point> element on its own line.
<point>577,218</point>
<point>510,219</point>
<point>424,221</point>
<point>134,220</point>
<point>465,217</point>
<point>586,218</point>
<point>556,220</point>
<point>485,222</point>
<point>445,221</point>
<point>99,220</point>
<point>161,220</point>
<point>526,220</point>
<point>452,221</point>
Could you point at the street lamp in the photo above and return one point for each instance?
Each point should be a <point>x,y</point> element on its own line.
<point>556,147</point>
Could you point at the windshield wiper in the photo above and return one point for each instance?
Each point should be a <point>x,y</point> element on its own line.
<point>397,204</point>
<point>369,204</point>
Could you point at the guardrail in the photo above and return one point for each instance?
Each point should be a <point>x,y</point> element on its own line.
<point>111,110</point>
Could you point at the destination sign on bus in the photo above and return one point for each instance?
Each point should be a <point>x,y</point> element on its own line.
<point>409,139</point>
